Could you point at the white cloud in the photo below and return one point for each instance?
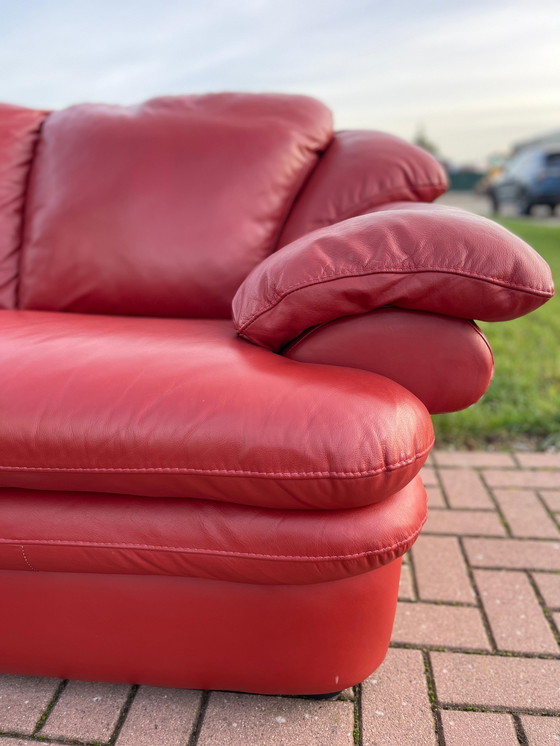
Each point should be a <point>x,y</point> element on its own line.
<point>476,75</point>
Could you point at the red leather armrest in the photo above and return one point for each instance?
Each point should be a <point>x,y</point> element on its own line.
<point>444,361</point>
<point>419,256</point>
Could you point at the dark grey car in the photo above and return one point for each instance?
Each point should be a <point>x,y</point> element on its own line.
<point>531,177</point>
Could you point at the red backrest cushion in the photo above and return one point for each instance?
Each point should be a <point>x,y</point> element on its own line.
<point>19,128</point>
<point>359,171</point>
<point>163,209</point>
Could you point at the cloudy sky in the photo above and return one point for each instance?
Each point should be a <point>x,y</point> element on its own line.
<point>476,75</point>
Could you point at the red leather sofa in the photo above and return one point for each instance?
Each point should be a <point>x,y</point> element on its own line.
<point>199,497</point>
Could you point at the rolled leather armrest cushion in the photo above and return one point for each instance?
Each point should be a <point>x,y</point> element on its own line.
<point>424,257</point>
<point>359,171</point>
<point>446,362</point>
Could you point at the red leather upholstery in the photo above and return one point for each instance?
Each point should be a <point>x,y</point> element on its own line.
<point>18,134</point>
<point>196,633</point>
<point>162,209</point>
<point>424,257</point>
<point>359,171</point>
<point>95,533</point>
<point>184,408</point>
<point>191,509</point>
<point>446,362</point>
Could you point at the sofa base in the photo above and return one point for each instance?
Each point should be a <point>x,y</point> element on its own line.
<point>197,633</point>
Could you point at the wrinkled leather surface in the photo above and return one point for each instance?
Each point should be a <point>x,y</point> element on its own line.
<point>193,510</point>
<point>184,408</point>
<point>359,171</point>
<point>423,257</point>
<point>162,209</point>
<point>18,134</point>
<point>445,361</point>
<point>196,633</point>
<point>85,532</point>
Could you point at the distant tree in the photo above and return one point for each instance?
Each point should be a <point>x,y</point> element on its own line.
<point>421,139</point>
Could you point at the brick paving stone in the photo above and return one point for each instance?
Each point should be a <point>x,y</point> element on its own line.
<point>248,720</point>
<point>444,626</point>
<point>474,458</point>
<point>395,701</point>
<point>552,499</point>
<point>478,729</point>
<point>542,460</point>
<point>406,589</point>
<point>523,478</point>
<point>541,731</point>
<point>433,554</point>
<point>435,497</point>
<point>465,523</point>
<point>525,514</point>
<point>6,741</point>
<point>162,716</point>
<point>395,706</point>
<point>87,711</point>
<point>464,489</point>
<point>428,475</point>
<point>516,554</point>
<point>549,586</point>
<point>496,681</point>
<point>22,701</point>
<point>514,613</point>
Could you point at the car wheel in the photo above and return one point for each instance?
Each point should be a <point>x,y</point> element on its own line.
<point>523,205</point>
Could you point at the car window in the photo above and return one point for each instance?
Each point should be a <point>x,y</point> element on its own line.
<point>519,164</point>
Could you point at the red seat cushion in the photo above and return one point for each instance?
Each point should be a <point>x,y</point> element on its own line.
<point>184,408</point>
<point>162,209</point>
<point>85,532</point>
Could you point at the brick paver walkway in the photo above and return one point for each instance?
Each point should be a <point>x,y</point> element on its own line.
<point>475,657</point>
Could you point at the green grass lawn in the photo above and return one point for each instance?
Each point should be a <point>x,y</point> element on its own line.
<point>522,404</point>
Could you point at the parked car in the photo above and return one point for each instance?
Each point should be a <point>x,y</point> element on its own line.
<point>531,177</point>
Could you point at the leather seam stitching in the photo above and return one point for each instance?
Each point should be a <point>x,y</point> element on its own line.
<point>323,279</point>
<point>219,552</point>
<point>225,472</point>
<point>27,562</point>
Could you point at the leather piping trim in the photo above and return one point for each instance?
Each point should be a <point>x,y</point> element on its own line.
<point>324,279</point>
<point>218,552</point>
<point>226,472</point>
